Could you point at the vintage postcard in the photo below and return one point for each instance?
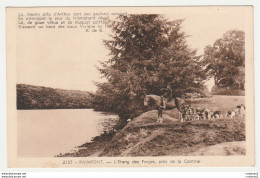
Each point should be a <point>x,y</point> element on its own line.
<point>130,86</point>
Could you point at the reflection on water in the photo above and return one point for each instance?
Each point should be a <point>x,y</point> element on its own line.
<point>46,133</point>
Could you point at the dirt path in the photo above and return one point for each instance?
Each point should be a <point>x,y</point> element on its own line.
<point>222,149</point>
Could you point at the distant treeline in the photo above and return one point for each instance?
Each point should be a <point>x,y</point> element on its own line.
<point>37,97</point>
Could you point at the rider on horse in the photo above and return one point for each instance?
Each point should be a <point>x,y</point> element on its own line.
<point>170,101</point>
<point>168,92</point>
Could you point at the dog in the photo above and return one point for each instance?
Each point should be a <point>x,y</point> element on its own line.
<point>240,109</point>
<point>186,109</point>
<point>217,115</point>
<point>208,114</point>
<point>231,114</point>
<point>186,112</point>
<point>190,113</point>
<point>201,113</point>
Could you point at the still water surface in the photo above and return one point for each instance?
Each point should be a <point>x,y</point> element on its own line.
<point>46,133</point>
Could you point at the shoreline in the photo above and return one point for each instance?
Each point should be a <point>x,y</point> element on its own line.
<point>171,138</point>
<point>144,137</point>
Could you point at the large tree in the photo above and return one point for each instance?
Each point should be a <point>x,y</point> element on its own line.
<point>147,53</point>
<point>225,59</point>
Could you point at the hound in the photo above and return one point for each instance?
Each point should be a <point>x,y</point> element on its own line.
<point>186,110</point>
<point>190,113</point>
<point>201,114</point>
<point>231,114</point>
<point>217,115</point>
<point>240,109</point>
<point>208,114</point>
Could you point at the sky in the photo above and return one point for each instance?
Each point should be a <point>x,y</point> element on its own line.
<point>68,58</point>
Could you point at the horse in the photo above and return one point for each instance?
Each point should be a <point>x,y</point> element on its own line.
<point>162,103</point>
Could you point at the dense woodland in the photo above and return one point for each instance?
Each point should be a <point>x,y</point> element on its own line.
<point>36,97</point>
<point>148,53</point>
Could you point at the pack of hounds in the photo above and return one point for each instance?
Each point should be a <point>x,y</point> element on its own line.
<point>189,113</point>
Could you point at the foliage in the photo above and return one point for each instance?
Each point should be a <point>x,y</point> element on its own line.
<point>225,60</point>
<point>36,97</point>
<point>147,52</point>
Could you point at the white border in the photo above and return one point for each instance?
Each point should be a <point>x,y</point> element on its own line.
<point>31,3</point>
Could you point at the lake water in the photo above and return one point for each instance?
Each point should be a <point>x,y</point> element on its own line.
<point>46,133</point>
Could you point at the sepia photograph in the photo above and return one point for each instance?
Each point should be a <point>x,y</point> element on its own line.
<point>130,86</point>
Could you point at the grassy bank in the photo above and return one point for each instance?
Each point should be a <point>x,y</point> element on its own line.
<point>227,91</point>
<point>144,137</point>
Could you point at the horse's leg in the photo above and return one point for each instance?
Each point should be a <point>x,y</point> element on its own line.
<point>180,113</point>
<point>181,117</point>
<point>159,114</point>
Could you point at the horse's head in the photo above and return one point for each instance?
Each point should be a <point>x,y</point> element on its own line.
<point>152,100</point>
